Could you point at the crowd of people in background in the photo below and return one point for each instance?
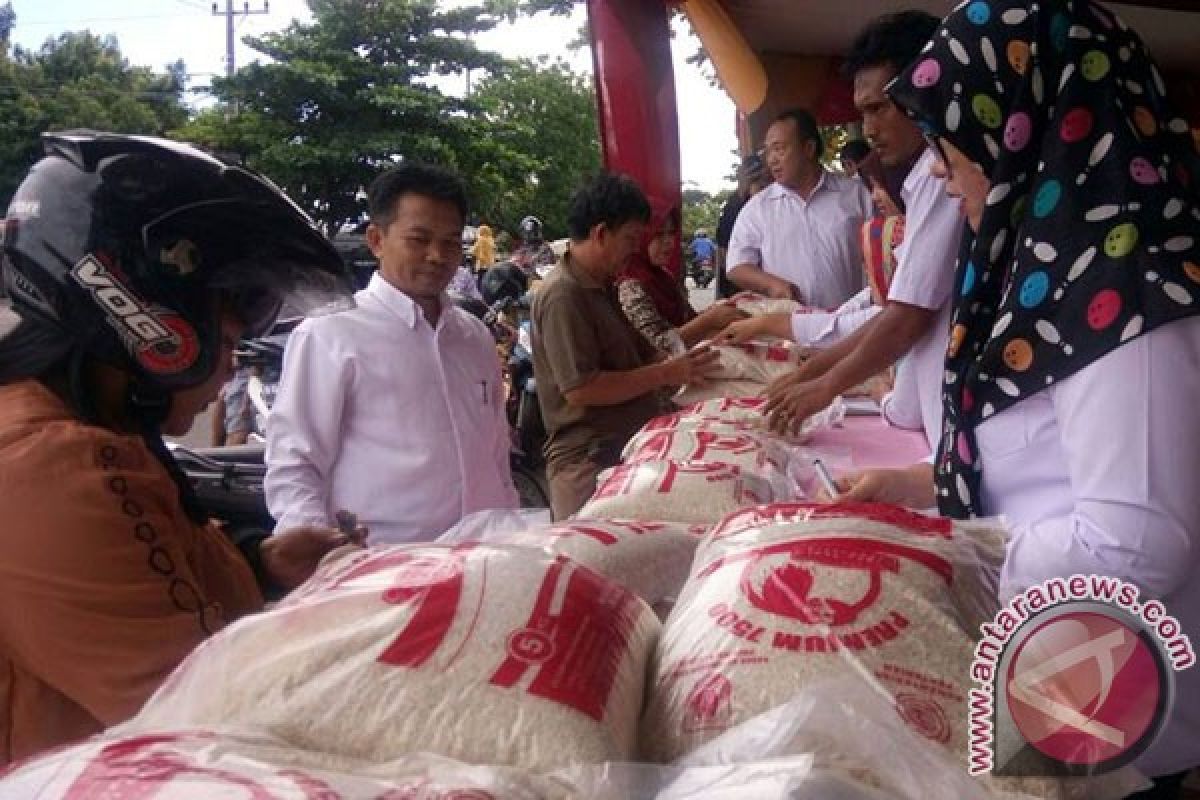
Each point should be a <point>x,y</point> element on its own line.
<point>920,264</point>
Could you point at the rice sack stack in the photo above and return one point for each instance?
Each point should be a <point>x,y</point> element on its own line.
<point>758,453</point>
<point>783,596</point>
<point>485,654</point>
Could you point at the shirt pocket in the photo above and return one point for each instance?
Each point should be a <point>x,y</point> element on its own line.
<point>1005,433</point>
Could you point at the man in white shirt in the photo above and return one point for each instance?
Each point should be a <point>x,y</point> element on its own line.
<point>799,237</point>
<point>915,319</point>
<point>394,410</point>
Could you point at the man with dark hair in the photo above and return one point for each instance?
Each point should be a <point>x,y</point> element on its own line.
<point>394,410</point>
<point>852,154</point>
<point>598,379</point>
<point>751,178</point>
<point>914,323</point>
<point>799,237</point>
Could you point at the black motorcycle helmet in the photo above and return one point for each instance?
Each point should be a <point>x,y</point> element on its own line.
<point>530,230</point>
<point>503,282</point>
<point>133,247</point>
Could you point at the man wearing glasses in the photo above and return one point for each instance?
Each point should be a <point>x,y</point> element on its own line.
<point>914,322</point>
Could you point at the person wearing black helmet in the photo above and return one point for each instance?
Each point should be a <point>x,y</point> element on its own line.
<point>132,266</point>
<point>533,252</point>
<point>394,409</point>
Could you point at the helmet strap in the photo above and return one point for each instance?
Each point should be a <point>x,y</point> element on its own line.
<point>146,404</point>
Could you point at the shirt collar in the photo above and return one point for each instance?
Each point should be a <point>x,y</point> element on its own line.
<point>777,191</point>
<point>397,301</point>
<point>919,171</point>
<point>576,274</point>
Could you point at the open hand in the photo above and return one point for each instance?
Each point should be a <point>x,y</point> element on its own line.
<point>911,487</point>
<point>740,331</point>
<point>717,317</point>
<point>290,557</point>
<point>693,368</point>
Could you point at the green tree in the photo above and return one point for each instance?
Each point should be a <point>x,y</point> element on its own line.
<point>76,80</point>
<point>544,117</point>
<point>349,94</point>
<point>702,210</point>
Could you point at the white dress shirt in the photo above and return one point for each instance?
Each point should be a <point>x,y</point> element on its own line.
<point>1097,474</point>
<point>812,243</point>
<point>924,277</point>
<point>381,414</point>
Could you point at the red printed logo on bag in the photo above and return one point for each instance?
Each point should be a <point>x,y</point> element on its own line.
<point>709,706</point>
<point>144,767</point>
<point>787,584</point>
<point>574,641</point>
<point>924,715</point>
<point>434,586</point>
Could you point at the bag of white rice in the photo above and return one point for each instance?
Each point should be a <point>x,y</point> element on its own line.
<point>748,413</point>
<point>717,390</point>
<point>651,559</point>
<point>680,491</point>
<point>752,453</point>
<point>735,408</point>
<point>397,650</point>
<point>785,596</point>
<point>683,421</point>
<point>756,304</point>
<point>758,360</point>
<point>203,765</point>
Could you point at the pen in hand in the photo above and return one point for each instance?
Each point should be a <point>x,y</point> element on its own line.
<point>826,479</point>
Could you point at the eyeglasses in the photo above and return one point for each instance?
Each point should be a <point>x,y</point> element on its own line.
<point>935,142</point>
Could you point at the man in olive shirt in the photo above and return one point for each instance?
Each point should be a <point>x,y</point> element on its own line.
<point>597,377</point>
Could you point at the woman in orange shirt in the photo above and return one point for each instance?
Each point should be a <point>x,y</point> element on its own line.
<point>133,265</point>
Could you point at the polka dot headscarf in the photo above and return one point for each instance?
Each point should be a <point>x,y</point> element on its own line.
<point>1090,230</point>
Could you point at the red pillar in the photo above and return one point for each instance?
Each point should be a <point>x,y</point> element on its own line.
<point>635,95</point>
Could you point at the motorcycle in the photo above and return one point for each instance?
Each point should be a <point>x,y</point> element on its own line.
<point>508,320</point>
<point>701,271</point>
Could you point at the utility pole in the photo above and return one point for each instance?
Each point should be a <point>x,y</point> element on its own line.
<point>229,13</point>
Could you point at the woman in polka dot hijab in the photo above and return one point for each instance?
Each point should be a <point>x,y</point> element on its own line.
<point>1088,235</point>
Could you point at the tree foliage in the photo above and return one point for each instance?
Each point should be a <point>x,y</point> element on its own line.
<point>703,210</point>
<point>76,80</point>
<point>546,116</point>
<point>349,94</point>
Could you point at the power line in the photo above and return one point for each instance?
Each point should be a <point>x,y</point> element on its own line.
<point>65,22</point>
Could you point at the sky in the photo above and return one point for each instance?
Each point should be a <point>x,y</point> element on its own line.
<point>157,32</point>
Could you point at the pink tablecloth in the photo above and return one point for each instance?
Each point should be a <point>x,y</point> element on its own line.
<point>870,442</point>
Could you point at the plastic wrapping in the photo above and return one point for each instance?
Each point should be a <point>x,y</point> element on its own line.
<point>493,524</point>
<point>226,763</point>
<point>719,389</point>
<point>398,650</point>
<point>680,491</point>
<point>757,360</point>
<point>756,304</point>
<point>221,763</point>
<point>651,559</point>
<point>783,597</point>
<point>749,411</point>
